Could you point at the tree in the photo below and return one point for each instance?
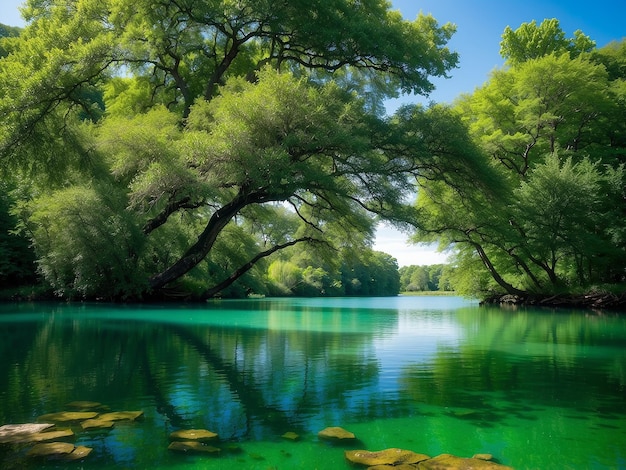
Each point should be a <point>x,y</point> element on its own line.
<point>372,273</point>
<point>183,120</point>
<point>7,32</point>
<point>285,275</point>
<point>547,217</point>
<point>613,57</point>
<point>530,41</point>
<point>185,50</point>
<point>561,211</point>
<point>17,260</point>
<point>539,106</point>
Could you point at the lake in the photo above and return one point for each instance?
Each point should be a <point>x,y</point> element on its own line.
<point>538,389</point>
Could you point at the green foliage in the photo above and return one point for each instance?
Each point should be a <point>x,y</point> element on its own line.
<point>564,210</point>
<point>285,276</point>
<point>184,123</point>
<point>127,97</point>
<point>50,80</point>
<point>426,278</point>
<point>530,41</point>
<point>369,273</point>
<point>543,104</point>
<point>86,244</point>
<point>6,33</point>
<point>372,273</point>
<point>17,259</point>
<point>548,214</point>
<point>613,58</point>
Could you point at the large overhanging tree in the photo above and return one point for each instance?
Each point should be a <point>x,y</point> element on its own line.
<point>149,130</point>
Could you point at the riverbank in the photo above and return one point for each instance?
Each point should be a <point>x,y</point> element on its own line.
<point>591,300</point>
<point>601,300</point>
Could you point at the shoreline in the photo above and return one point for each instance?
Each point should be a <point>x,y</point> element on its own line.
<point>591,300</point>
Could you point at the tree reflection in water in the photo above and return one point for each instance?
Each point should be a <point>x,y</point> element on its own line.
<point>447,379</point>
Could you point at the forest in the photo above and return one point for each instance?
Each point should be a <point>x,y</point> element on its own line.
<point>177,149</point>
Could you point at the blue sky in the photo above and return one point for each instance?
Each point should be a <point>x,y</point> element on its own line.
<point>480,24</point>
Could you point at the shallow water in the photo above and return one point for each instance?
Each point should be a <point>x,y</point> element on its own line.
<point>536,388</point>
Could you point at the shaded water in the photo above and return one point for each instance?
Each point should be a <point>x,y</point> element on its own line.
<point>536,388</point>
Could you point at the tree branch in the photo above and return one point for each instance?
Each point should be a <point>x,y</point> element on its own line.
<point>211,292</point>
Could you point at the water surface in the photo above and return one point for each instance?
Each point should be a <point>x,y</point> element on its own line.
<point>536,388</point>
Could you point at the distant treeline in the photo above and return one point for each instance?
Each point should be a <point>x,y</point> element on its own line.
<point>435,277</point>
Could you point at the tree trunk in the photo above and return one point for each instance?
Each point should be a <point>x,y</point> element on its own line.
<point>199,250</point>
<point>496,276</point>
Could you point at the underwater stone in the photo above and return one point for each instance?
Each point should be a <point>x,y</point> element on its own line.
<point>121,416</point>
<point>19,432</point>
<point>79,452</point>
<point>402,466</point>
<point>97,423</point>
<point>59,451</point>
<point>452,462</point>
<point>51,449</point>
<point>199,435</point>
<point>483,456</point>
<point>336,433</point>
<point>50,435</point>
<point>392,457</point>
<point>66,416</point>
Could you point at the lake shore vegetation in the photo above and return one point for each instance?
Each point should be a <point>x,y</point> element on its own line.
<point>158,148</point>
<point>187,151</point>
<point>550,127</point>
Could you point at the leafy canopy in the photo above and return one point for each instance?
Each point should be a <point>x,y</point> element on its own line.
<point>548,214</point>
<point>193,124</point>
<point>532,41</point>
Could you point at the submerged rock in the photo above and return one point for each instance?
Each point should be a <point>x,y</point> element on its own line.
<point>59,451</point>
<point>393,457</point>
<point>97,423</point>
<point>402,466</point>
<point>18,432</point>
<point>336,433</point>
<point>25,433</point>
<point>50,435</point>
<point>80,452</point>
<point>198,435</point>
<point>400,459</point>
<point>452,462</point>
<point>193,446</point>
<point>51,449</point>
<point>121,416</point>
<point>68,416</point>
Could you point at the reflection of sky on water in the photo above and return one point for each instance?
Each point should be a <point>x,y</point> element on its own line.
<point>421,327</point>
<point>416,340</point>
<point>400,302</point>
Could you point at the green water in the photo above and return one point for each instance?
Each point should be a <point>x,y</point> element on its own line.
<point>538,389</point>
